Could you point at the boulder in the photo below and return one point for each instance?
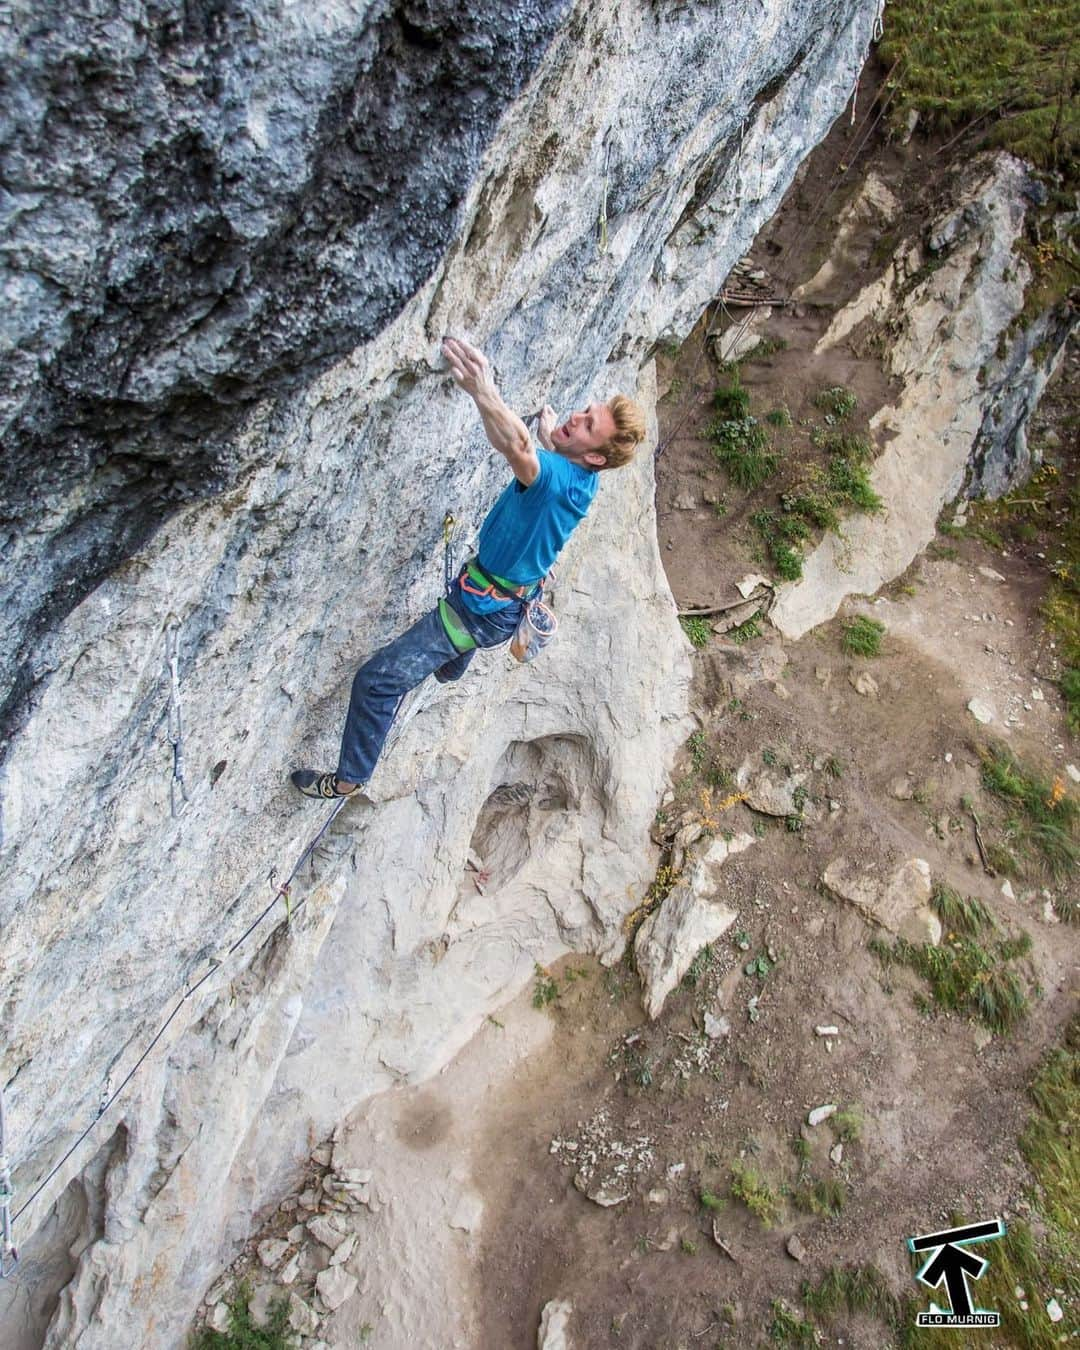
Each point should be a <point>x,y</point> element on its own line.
<point>326,1231</point>
<point>770,792</point>
<point>334,1286</point>
<point>689,919</point>
<point>302,1317</point>
<point>606,1194</point>
<point>898,901</point>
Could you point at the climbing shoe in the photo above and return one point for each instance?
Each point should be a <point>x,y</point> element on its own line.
<point>313,784</point>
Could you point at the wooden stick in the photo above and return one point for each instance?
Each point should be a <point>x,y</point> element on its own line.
<point>982,851</point>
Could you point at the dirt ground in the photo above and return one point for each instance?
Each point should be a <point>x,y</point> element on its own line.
<point>941,1100</point>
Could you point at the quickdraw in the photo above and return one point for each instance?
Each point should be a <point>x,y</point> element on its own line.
<point>177,791</point>
<point>9,1255</point>
<point>448,551</point>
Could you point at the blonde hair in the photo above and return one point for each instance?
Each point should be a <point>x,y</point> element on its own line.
<point>629,421</point>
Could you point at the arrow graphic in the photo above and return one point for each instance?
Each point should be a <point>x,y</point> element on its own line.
<point>953,1265</point>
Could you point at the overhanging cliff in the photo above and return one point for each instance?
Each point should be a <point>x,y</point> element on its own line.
<point>232,249</point>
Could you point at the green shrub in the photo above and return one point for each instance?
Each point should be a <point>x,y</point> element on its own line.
<point>862,636</point>
<point>851,481</point>
<point>732,402</point>
<point>243,1334</point>
<point>545,988</point>
<point>838,403</point>
<point>1048,816</point>
<point>755,1193</point>
<point>695,628</point>
<point>1070,692</point>
<point>745,631</point>
<point>742,447</point>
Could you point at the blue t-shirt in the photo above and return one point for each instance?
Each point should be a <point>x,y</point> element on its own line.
<point>525,530</point>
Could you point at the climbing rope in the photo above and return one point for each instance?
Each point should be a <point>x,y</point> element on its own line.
<point>109,1097</point>
<point>720,312</point>
<point>9,1256</point>
<point>177,791</point>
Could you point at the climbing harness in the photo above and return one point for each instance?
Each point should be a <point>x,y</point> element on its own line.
<point>9,1256</point>
<point>109,1097</point>
<point>177,791</point>
<point>475,580</point>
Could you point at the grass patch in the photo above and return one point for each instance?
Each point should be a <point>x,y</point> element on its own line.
<point>712,1203</point>
<point>243,1334</point>
<point>781,536</point>
<point>825,1198</point>
<point>695,628</point>
<point>1070,692</point>
<point>1011,64</point>
<point>850,481</point>
<point>754,1191</point>
<point>837,403</point>
<point>848,1124</point>
<point>818,502</point>
<point>697,968</point>
<point>960,914</point>
<point>966,973</point>
<point>545,988</point>
<point>851,1289</point>
<point>778,417</point>
<point>741,446</point>
<point>787,1329</point>
<point>862,636</point>
<point>732,401</point>
<point>748,629</point>
<point>1045,817</point>
<point>968,977</point>
<point>846,445</point>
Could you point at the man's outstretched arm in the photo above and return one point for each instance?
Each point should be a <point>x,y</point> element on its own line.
<point>505,430</point>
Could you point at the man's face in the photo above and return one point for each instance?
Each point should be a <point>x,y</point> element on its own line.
<point>586,431</point>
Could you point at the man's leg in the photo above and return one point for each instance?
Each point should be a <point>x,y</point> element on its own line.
<point>453,670</point>
<point>378,688</point>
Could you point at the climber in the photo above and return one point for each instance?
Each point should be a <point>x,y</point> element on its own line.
<point>519,541</point>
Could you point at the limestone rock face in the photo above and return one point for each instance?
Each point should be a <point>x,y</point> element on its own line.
<point>230,449</point>
<point>968,383</point>
<point>690,917</point>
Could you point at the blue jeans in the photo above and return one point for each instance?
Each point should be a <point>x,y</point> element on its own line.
<point>383,681</point>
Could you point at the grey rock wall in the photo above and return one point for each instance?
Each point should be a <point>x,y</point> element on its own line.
<point>252,328</point>
<point>209,204</point>
<point>968,376</point>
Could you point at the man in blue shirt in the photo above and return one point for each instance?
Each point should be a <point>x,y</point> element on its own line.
<point>520,538</point>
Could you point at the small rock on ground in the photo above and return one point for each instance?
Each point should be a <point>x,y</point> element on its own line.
<point>335,1285</point>
<point>795,1249</point>
<point>554,1321</point>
